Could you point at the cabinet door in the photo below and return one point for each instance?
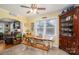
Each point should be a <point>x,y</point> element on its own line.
<point>63,43</point>
<point>77,46</point>
<point>72,47</point>
<point>60,43</point>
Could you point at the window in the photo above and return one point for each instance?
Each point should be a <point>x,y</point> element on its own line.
<point>50,28</point>
<point>46,28</point>
<point>40,28</point>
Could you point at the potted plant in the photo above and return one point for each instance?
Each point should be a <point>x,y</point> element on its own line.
<point>18,37</point>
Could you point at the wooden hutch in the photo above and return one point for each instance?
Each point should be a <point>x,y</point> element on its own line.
<point>69,31</point>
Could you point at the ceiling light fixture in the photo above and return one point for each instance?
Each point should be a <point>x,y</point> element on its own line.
<point>33,8</point>
<point>33,11</point>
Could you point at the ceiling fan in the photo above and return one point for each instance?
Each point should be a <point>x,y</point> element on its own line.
<point>33,8</point>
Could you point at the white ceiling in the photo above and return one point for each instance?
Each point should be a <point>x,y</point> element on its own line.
<point>17,10</point>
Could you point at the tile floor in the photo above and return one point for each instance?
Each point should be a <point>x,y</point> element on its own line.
<point>22,49</point>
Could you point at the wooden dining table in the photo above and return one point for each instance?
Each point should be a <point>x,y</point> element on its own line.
<point>44,43</point>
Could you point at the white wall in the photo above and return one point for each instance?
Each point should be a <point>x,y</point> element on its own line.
<point>56,37</point>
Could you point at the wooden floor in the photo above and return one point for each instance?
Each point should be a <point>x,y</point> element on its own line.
<point>3,46</point>
<point>21,49</point>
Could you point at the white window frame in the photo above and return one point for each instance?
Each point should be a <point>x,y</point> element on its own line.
<point>44,32</point>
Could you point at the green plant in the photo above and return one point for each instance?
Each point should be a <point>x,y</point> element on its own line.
<point>18,35</point>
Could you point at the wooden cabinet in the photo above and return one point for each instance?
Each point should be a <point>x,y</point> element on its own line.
<point>69,31</point>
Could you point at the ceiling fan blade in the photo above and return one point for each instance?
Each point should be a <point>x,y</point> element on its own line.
<point>28,12</point>
<point>41,8</point>
<point>24,6</point>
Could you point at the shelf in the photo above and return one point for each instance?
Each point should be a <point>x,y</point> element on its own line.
<point>67,26</point>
